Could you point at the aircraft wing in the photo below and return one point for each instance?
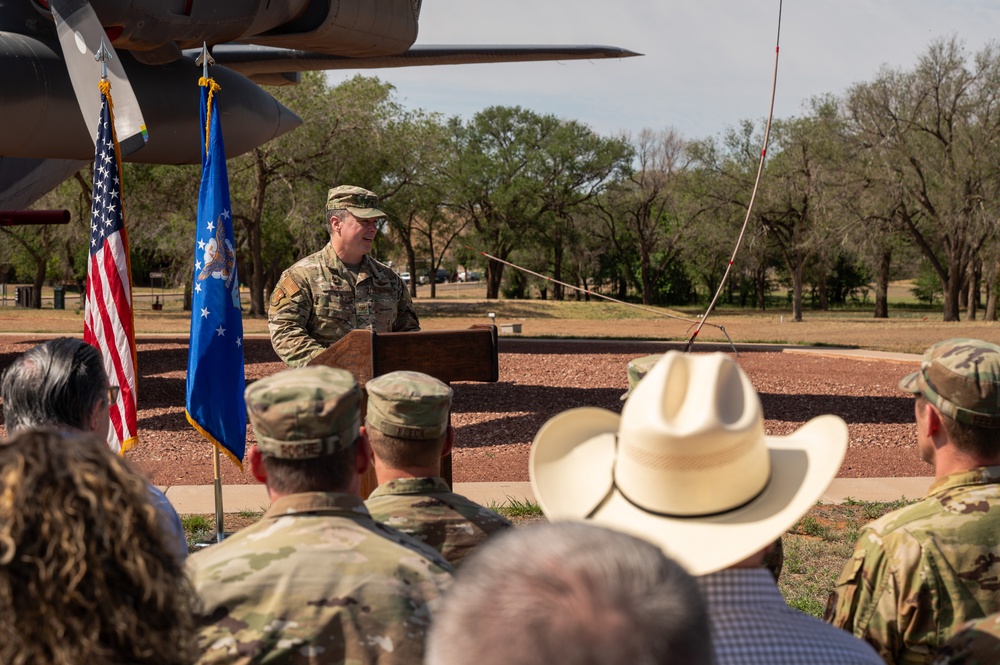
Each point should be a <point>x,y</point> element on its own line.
<point>277,66</point>
<point>23,181</point>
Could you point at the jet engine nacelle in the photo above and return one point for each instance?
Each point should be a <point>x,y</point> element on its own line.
<point>49,125</point>
<point>156,30</point>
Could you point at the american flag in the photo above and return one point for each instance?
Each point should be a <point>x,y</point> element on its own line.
<point>108,322</point>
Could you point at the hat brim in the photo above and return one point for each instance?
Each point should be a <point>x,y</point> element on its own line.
<point>366,213</point>
<point>911,383</point>
<point>572,465</point>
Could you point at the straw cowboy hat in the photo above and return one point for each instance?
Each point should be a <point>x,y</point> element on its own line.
<point>687,465</point>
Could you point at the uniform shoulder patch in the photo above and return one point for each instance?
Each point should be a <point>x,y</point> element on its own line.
<point>285,289</point>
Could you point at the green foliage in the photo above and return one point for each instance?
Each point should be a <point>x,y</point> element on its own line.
<point>856,188</point>
<point>516,508</point>
<point>927,286</point>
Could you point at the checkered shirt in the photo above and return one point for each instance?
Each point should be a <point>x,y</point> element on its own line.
<point>752,624</point>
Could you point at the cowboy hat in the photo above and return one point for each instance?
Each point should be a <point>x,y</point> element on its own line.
<point>687,464</point>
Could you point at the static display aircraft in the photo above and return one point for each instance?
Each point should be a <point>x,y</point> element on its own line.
<point>44,138</point>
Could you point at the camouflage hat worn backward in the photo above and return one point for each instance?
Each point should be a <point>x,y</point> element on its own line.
<point>961,377</point>
<point>408,405</point>
<point>305,412</point>
<point>637,369</point>
<point>358,201</point>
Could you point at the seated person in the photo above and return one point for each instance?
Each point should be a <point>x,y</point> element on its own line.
<point>407,424</point>
<point>316,580</point>
<point>687,466</point>
<point>86,577</point>
<point>573,594</point>
<point>62,383</point>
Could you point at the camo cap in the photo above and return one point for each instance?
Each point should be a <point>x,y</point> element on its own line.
<point>358,201</point>
<point>305,412</point>
<point>961,377</point>
<point>637,369</point>
<point>409,405</point>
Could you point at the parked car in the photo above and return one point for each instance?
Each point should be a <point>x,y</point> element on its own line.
<point>470,276</point>
<point>440,276</point>
<point>405,276</point>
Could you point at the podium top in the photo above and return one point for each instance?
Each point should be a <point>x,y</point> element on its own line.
<point>448,355</point>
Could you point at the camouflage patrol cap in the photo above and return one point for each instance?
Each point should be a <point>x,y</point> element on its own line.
<point>961,377</point>
<point>637,369</point>
<point>358,201</point>
<point>305,412</point>
<point>409,405</point>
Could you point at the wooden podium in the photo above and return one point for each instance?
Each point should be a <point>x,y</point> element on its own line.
<point>447,355</point>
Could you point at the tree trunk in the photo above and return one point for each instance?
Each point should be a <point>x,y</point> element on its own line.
<point>760,286</point>
<point>253,237</point>
<point>557,258</point>
<point>797,292</point>
<point>647,286</point>
<point>882,285</point>
<point>991,294</point>
<point>952,290</point>
<point>494,274</point>
<point>39,280</point>
<point>824,296</point>
<point>972,296</point>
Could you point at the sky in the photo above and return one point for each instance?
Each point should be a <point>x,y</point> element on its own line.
<point>708,64</point>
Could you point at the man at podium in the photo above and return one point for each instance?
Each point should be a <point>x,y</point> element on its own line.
<point>340,288</point>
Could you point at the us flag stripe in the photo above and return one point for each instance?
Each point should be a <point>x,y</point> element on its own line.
<point>108,322</point>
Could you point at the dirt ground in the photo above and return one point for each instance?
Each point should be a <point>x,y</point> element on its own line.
<point>539,378</point>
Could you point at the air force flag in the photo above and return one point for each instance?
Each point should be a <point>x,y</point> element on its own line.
<point>215,378</point>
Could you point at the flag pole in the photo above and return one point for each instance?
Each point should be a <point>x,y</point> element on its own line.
<point>220,532</point>
<point>205,59</point>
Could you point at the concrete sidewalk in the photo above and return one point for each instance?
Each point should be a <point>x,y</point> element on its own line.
<point>200,499</point>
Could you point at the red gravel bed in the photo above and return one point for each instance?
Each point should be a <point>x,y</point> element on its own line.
<point>496,422</point>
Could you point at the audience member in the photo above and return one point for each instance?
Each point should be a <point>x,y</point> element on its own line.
<point>921,571</point>
<point>774,557</point>
<point>407,424</point>
<point>316,579</point>
<point>574,594</point>
<point>688,466</point>
<point>85,574</point>
<point>62,383</point>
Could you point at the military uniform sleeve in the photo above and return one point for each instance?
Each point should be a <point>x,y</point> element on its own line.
<point>406,316</point>
<point>882,597</point>
<point>287,316</point>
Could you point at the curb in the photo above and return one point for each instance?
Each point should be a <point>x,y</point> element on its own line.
<point>200,499</point>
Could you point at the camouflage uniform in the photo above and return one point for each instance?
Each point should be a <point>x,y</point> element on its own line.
<point>413,408</point>
<point>318,300</point>
<point>977,643</point>
<point>317,579</point>
<point>921,571</point>
<point>427,509</point>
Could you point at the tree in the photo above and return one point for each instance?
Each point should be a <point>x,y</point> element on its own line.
<point>580,165</point>
<point>416,148</point>
<point>495,179</point>
<point>645,211</point>
<point>340,142</point>
<point>935,127</point>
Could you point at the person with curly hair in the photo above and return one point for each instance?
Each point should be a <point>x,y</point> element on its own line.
<point>86,575</point>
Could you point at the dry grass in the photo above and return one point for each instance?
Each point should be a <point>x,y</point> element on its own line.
<point>905,331</point>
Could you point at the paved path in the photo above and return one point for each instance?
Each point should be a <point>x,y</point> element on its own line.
<point>200,499</point>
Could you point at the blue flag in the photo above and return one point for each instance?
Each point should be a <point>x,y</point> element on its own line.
<point>215,378</point>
